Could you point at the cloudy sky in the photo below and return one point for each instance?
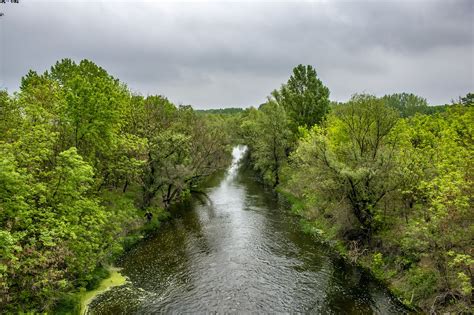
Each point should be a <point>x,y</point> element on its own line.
<point>220,54</point>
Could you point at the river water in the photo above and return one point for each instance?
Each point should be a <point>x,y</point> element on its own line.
<point>238,251</point>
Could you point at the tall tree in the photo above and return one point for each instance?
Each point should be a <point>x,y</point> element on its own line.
<point>95,103</point>
<point>304,97</point>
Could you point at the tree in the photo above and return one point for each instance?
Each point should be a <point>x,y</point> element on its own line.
<point>304,97</point>
<point>407,104</point>
<point>437,179</point>
<point>350,157</point>
<point>182,149</point>
<point>405,184</point>
<point>467,100</point>
<point>268,136</point>
<point>51,227</point>
<point>72,141</point>
<point>95,103</point>
<point>10,117</point>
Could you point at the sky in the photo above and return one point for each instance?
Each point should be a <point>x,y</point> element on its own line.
<point>214,54</point>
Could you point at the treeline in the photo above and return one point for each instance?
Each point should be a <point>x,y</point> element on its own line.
<point>82,160</point>
<point>388,181</point>
<point>221,111</point>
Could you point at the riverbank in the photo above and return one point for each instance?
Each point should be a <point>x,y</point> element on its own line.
<point>139,229</point>
<point>322,232</point>
<point>403,284</point>
<point>368,260</point>
<point>361,260</point>
<point>134,228</point>
<point>102,278</point>
<point>114,279</point>
<point>236,250</point>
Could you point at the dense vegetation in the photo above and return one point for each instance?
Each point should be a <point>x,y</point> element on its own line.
<point>86,166</point>
<point>82,160</point>
<point>387,180</point>
<point>221,111</point>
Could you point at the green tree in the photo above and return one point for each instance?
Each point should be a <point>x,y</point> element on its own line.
<point>407,104</point>
<point>72,141</point>
<point>350,160</point>
<point>437,172</point>
<point>268,135</point>
<point>304,97</point>
<point>467,100</point>
<point>10,117</point>
<point>182,149</point>
<point>95,103</point>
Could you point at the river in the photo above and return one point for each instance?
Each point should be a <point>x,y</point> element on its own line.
<point>238,251</point>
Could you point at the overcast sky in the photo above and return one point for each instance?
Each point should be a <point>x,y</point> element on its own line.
<point>223,54</point>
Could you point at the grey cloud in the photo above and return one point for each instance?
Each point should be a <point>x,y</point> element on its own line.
<point>213,54</point>
<point>411,26</point>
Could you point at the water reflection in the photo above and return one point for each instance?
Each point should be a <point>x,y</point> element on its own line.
<point>237,251</point>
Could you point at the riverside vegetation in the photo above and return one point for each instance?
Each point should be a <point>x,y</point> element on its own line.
<point>82,160</point>
<point>387,181</point>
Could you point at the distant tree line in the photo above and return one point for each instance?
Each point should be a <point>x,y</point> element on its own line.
<point>221,111</point>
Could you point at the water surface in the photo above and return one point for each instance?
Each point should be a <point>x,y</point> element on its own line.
<point>238,251</point>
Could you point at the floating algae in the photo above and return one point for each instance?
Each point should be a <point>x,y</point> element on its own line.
<point>115,279</point>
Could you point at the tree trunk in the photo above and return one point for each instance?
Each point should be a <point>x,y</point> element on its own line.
<point>125,186</point>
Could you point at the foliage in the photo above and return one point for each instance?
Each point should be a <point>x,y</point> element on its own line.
<point>439,223</point>
<point>221,111</point>
<point>391,193</point>
<point>267,134</point>
<point>407,104</point>
<point>77,151</point>
<point>467,100</point>
<point>408,182</point>
<point>304,97</point>
<point>349,162</point>
<point>270,131</point>
<point>182,149</point>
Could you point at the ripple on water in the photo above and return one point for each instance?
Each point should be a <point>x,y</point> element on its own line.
<point>239,253</point>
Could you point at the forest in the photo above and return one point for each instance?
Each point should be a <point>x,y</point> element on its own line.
<point>87,168</point>
<point>386,181</point>
<point>83,161</point>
